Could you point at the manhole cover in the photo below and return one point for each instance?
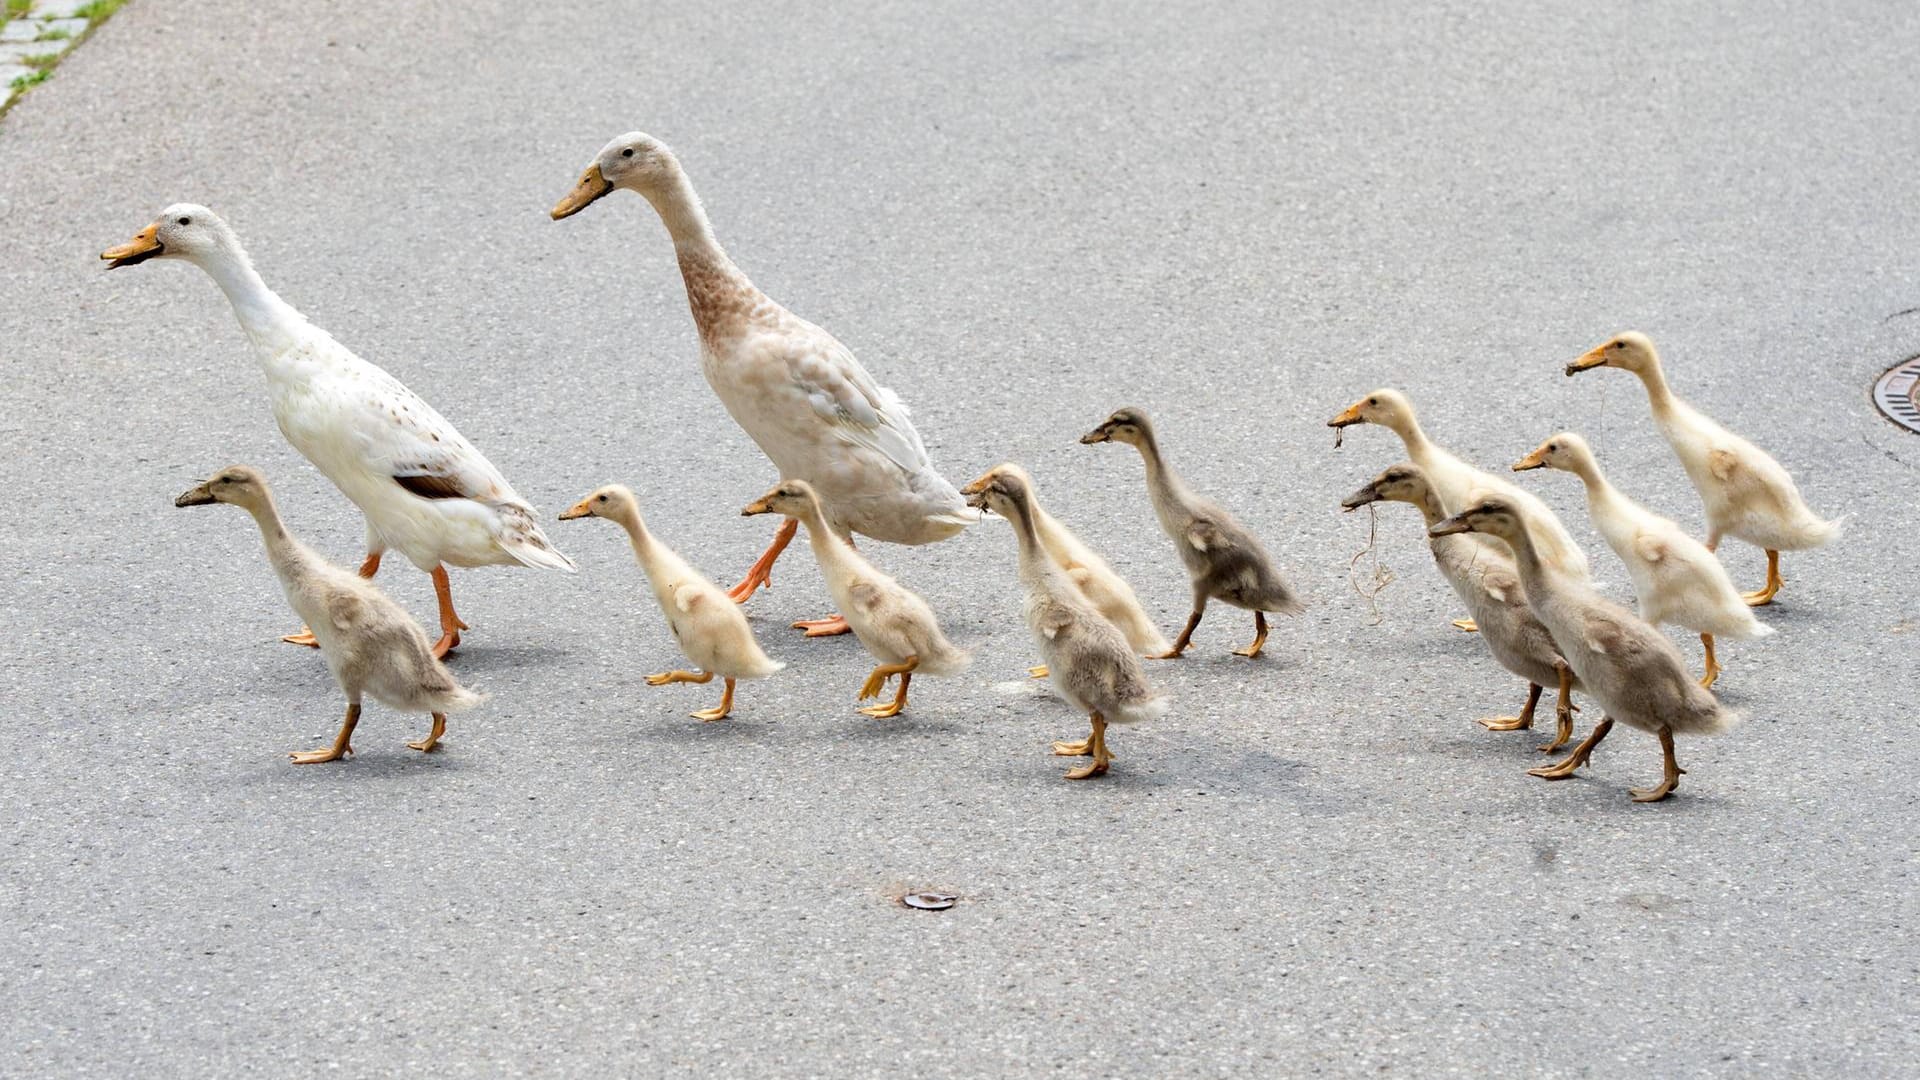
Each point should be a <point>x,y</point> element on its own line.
<point>1894,393</point>
<point>929,901</point>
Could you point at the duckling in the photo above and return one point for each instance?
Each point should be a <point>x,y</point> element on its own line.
<point>1747,494</point>
<point>1224,561</point>
<point>709,627</point>
<point>895,625</point>
<point>1105,590</point>
<point>1626,665</point>
<point>1089,660</point>
<point>1484,577</point>
<point>1458,483</point>
<point>371,645</point>
<point>1677,579</point>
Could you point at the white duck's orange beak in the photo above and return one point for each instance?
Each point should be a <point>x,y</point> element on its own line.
<point>590,187</point>
<point>137,250</point>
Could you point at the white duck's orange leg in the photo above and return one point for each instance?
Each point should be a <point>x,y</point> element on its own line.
<point>760,574</point>
<point>1774,581</point>
<point>720,711</point>
<point>342,743</point>
<point>831,626</point>
<point>450,624</point>
<point>305,636</point>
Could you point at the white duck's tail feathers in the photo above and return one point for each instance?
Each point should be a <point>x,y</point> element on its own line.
<point>962,518</point>
<point>537,553</point>
<point>1136,711</point>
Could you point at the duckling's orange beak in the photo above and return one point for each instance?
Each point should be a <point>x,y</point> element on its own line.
<point>761,505</point>
<point>137,250</point>
<point>590,187</point>
<point>583,508</point>
<point>1350,417</point>
<point>1536,460</point>
<point>980,485</point>
<point>1592,358</point>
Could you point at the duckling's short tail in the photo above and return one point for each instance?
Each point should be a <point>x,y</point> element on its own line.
<point>1138,711</point>
<point>459,699</point>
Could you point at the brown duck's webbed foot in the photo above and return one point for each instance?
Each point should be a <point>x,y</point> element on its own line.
<point>1516,723</point>
<point>1467,625</point>
<point>1765,595</point>
<point>1096,748</point>
<point>1563,711</point>
<point>760,574</point>
<point>1185,639</point>
<point>676,676</point>
<point>342,742</point>
<point>1563,769</point>
<point>450,623</point>
<point>1713,664</point>
<point>1039,671</point>
<point>1671,772</point>
<point>432,741</point>
<point>720,711</point>
<point>1259,637</point>
<point>831,626</point>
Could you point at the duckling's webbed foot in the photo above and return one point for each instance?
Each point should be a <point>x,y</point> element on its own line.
<point>1185,639</point>
<point>432,742</point>
<point>342,742</point>
<point>720,711</point>
<point>760,574</point>
<point>1039,671</point>
<point>1259,637</point>
<point>676,676</point>
<point>877,681</point>
<point>303,637</point>
<point>830,626</point>
<point>1671,773</point>
<point>1096,747</point>
<point>1516,723</point>
<point>1467,625</point>
<point>1561,770</point>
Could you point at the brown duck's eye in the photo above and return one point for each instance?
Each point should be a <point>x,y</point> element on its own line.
<point>186,221</point>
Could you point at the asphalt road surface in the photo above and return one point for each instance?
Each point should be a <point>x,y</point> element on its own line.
<point>1020,216</point>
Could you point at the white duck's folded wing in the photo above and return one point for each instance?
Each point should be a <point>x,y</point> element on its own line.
<point>856,408</point>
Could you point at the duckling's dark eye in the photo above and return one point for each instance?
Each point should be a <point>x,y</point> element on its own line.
<point>1551,447</point>
<point>601,498</point>
<point>628,152</point>
<point>1619,344</point>
<point>1373,401</point>
<point>186,221</point>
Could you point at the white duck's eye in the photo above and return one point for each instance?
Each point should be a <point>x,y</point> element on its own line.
<point>186,221</point>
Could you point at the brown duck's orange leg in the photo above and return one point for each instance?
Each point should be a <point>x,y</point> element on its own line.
<point>305,636</point>
<point>1563,711</point>
<point>432,741</point>
<point>760,574</point>
<point>1516,723</point>
<point>1774,581</point>
<point>1185,639</point>
<point>1259,636</point>
<point>342,743</point>
<point>450,624</point>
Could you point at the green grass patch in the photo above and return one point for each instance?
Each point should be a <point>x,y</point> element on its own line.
<point>41,62</point>
<point>17,9</point>
<point>58,33</point>
<point>98,9</point>
<point>21,82</point>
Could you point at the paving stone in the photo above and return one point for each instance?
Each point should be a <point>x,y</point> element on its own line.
<point>58,9</point>
<point>20,30</point>
<point>8,73</point>
<point>73,27</point>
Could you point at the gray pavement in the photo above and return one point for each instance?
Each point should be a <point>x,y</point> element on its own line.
<point>1020,216</point>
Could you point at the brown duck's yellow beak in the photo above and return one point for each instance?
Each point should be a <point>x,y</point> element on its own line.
<point>591,186</point>
<point>1535,460</point>
<point>197,495</point>
<point>1097,435</point>
<point>137,250</point>
<point>1350,417</point>
<point>1450,526</point>
<point>583,508</point>
<point>1593,358</point>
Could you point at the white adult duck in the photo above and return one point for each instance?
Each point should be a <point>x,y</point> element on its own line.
<point>425,490</point>
<point>1747,494</point>
<point>799,393</point>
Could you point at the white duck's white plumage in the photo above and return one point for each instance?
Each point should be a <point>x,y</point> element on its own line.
<point>1676,578</point>
<point>1746,492</point>
<point>426,491</point>
<point>1459,484</point>
<point>796,390</point>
